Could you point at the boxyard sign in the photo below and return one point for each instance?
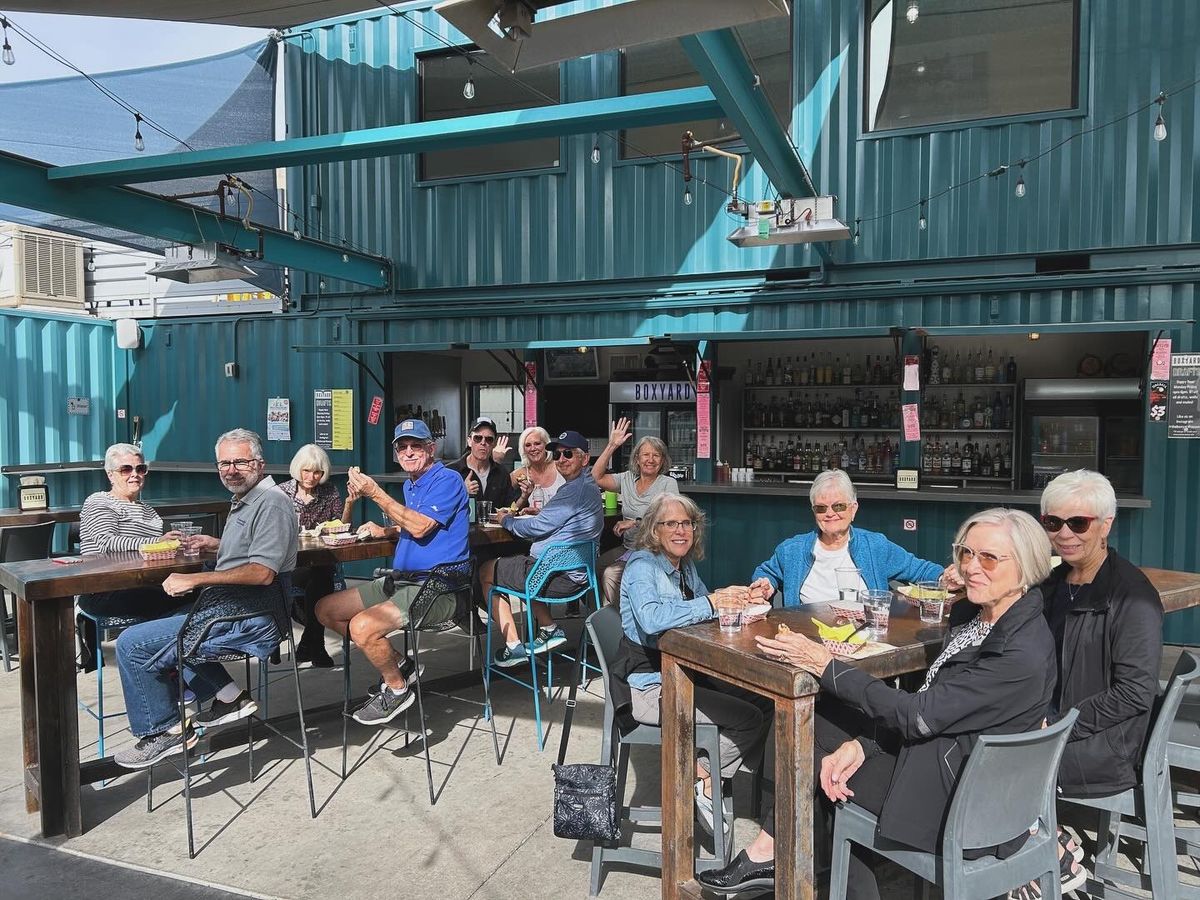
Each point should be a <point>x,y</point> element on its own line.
<point>651,392</point>
<point>1183,419</point>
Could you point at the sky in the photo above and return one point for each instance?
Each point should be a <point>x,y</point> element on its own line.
<point>105,45</point>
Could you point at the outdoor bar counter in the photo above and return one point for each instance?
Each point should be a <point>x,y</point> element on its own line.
<point>798,487</point>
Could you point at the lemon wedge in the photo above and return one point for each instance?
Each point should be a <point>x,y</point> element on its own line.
<point>839,632</point>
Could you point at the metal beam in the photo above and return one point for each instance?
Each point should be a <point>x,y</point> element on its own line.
<point>607,114</point>
<point>25,183</point>
<point>720,61</point>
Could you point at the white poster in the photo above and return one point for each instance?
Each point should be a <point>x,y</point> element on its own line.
<point>279,419</point>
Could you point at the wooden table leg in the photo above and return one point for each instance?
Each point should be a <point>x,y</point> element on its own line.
<point>56,716</point>
<point>29,715</point>
<point>678,773</point>
<point>794,799</point>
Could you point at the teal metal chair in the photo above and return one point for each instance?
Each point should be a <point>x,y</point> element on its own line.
<point>1007,784</point>
<point>556,559</point>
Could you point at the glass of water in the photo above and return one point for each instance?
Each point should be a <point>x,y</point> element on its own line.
<point>849,580</point>
<point>730,618</point>
<point>877,605</point>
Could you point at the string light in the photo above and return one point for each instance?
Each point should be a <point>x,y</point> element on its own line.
<point>469,87</point>
<point>9,57</point>
<point>1160,124</point>
<point>857,231</point>
<point>912,13</point>
<point>139,144</point>
<point>91,262</point>
<point>1019,190</point>
<point>687,196</point>
<point>596,153</point>
<point>922,222</point>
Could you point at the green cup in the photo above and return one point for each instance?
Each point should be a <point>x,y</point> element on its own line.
<point>610,499</point>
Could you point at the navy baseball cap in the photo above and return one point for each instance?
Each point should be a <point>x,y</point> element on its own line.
<point>572,439</point>
<point>413,428</point>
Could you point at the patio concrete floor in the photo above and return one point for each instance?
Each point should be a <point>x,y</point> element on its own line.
<point>490,835</point>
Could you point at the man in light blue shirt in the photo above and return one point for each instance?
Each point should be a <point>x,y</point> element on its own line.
<point>574,514</point>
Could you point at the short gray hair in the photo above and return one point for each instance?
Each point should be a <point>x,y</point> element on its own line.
<point>1030,545</point>
<point>532,429</point>
<point>240,436</point>
<point>1091,489</point>
<point>111,454</point>
<point>310,456</point>
<point>658,445</point>
<point>834,480</point>
<point>647,536</point>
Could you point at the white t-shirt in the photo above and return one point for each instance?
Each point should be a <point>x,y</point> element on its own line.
<point>821,584</point>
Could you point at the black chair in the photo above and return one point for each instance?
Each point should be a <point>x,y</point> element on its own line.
<point>18,543</point>
<point>448,579</point>
<point>228,604</point>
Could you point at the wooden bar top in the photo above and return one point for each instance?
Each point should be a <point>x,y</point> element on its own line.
<point>169,507</point>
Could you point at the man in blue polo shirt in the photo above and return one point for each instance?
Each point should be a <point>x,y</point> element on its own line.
<point>431,526</point>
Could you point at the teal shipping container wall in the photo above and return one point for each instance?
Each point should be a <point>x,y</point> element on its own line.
<point>1115,187</point>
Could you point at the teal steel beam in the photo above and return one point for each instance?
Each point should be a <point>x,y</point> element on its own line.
<point>25,183</point>
<point>605,114</point>
<point>721,63</point>
<point>514,344</point>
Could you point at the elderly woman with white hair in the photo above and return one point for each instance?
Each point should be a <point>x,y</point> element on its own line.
<point>900,754</point>
<point>316,500</point>
<point>1106,619</point>
<point>537,479</point>
<point>645,479</point>
<point>804,567</point>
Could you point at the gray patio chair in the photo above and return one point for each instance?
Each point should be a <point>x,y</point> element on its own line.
<point>1006,786</point>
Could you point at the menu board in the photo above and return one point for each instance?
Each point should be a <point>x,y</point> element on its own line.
<point>323,419</point>
<point>1183,418</point>
<point>333,419</point>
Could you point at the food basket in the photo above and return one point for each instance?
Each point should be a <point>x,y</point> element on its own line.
<point>336,540</point>
<point>333,527</point>
<point>755,612</point>
<point>849,610</point>
<point>159,550</point>
<point>914,594</point>
<point>842,648</point>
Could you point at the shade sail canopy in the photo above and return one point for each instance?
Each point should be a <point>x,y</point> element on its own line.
<point>250,13</point>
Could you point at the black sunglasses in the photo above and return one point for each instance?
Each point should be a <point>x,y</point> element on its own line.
<point>1078,524</point>
<point>563,453</point>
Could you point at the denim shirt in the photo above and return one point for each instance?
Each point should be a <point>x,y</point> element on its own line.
<point>574,514</point>
<point>652,602</point>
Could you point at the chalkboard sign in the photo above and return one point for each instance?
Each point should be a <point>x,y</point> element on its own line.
<point>1183,420</point>
<point>572,365</point>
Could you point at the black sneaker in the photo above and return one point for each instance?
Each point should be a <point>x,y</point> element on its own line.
<point>221,713</point>
<point>384,706</point>
<point>150,750</point>
<point>318,656</point>
<point>740,875</point>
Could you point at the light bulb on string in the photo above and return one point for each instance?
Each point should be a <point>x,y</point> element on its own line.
<point>857,231</point>
<point>1160,124</point>
<point>469,86</point>
<point>1019,189</point>
<point>91,263</point>
<point>596,154</point>
<point>139,144</point>
<point>8,56</point>
<point>922,222</point>
<point>912,12</point>
<point>687,196</point>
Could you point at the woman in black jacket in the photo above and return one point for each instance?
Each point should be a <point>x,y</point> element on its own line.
<point>1107,620</point>
<point>898,754</point>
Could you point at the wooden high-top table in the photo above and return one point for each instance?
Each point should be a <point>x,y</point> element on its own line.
<point>734,659</point>
<point>46,627</point>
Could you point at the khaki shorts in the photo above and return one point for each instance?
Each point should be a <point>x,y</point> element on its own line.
<point>372,594</point>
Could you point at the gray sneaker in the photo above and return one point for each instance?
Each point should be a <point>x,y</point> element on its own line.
<point>150,750</point>
<point>221,713</point>
<point>384,706</point>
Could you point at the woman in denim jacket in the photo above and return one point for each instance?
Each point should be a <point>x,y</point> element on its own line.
<point>661,589</point>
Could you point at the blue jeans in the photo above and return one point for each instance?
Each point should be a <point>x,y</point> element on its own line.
<point>151,695</point>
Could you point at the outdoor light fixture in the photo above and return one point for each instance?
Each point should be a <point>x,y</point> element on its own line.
<point>772,223</point>
<point>596,154</point>
<point>469,86</point>
<point>1160,124</point>
<point>202,264</point>
<point>1019,190</point>
<point>922,222</point>
<point>913,12</point>
<point>138,143</point>
<point>8,56</point>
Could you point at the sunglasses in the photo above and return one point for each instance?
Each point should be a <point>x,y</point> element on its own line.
<point>562,454</point>
<point>1078,524</point>
<point>820,508</point>
<point>483,439</point>
<point>140,468</point>
<point>988,561</point>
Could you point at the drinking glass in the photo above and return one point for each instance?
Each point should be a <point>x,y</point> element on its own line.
<point>190,545</point>
<point>484,507</point>
<point>179,525</point>
<point>848,580</point>
<point>931,610</point>
<point>730,618</point>
<point>877,605</point>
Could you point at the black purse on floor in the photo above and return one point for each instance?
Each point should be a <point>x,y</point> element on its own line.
<point>585,803</point>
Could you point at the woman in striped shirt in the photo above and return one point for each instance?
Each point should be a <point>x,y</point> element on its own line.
<point>113,521</point>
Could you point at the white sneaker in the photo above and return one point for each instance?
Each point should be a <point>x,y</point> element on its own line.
<point>704,811</point>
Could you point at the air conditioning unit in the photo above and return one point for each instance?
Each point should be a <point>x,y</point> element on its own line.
<point>40,268</point>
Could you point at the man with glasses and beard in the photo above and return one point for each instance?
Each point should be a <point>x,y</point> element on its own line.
<point>256,552</point>
<point>575,513</point>
<point>485,477</point>
<point>431,528</point>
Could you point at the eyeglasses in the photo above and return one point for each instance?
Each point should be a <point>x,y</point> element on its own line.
<point>820,508</point>
<point>1078,524</point>
<point>242,465</point>
<point>483,439</point>
<point>964,554</point>
<point>676,524</point>
<point>140,468</point>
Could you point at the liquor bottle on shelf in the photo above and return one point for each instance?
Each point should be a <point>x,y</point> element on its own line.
<point>989,369</point>
<point>947,459</point>
<point>947,371</point>
<point>748,375</point>
<point>980,369</point>
<point>968,460</point>
<point>847,371</point>
<point>985,468</point>
<point>770,382</point>
<point>927,458</point>
<point>1010,370</point>
<point>977,417</point>
<point>935,366</point>
<point>789,373</point>
<point>759,377</point>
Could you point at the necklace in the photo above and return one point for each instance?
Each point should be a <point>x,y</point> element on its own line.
<point>1074,589</point>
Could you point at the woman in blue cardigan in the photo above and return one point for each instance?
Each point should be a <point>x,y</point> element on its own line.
<point>804,566</point>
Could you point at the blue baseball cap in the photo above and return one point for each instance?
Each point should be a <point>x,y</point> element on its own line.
<point>413,428</point>
<point>572,439</point>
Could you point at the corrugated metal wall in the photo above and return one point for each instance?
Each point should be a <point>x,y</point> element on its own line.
<point>1112,188</point>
